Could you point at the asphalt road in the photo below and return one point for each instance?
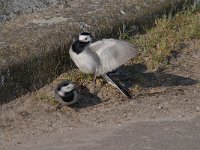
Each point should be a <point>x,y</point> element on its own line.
<point>144,135</point>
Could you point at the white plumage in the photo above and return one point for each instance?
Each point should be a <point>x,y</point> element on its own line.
<point>112,54</point>
<point>102,56</point>
<point>87,61</point>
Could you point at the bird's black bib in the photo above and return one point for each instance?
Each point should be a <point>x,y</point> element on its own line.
<point>78,46</point>
<point>68,96</point>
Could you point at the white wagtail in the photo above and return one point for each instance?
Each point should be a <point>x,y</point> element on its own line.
<point>101,56</point>
<point>66,93</point>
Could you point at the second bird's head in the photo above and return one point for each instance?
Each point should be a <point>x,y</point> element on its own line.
<point>85,37</point>
<point>66,92</point>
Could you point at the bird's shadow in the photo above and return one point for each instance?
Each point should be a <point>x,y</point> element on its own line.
<point>137,74</point>
<point>87,99</point>
<point>131,75</point>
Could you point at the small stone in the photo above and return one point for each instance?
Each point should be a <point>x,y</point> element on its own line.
<point>19,142</point>
<point>152,117</point>
<point>198,108</point>
<point>122,12</point>
<point>3,18</point>
<point>160,107</point>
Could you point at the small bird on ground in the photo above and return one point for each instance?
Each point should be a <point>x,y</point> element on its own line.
<point>66,93</point>
<point>101,57</point>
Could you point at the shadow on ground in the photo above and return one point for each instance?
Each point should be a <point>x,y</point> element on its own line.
<point>136,74</point>
<point>88,99</point>
<point>131,75</point>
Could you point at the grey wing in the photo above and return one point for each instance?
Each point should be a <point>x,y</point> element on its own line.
<point>113,53</point>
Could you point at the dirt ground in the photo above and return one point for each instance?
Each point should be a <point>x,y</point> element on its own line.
<point>172,93</point>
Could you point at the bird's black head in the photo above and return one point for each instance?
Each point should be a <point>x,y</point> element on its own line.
<point>85,33</point>
<point>83,40</point>
<point>65,90</point>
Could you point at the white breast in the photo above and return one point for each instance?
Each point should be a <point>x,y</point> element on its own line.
<point>85,61</point>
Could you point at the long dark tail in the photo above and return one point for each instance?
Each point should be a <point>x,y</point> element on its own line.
<point>117,85</point>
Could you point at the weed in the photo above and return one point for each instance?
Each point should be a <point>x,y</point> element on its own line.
<point>75,75</point>
<point>167,35</point>
<point>46,98</point>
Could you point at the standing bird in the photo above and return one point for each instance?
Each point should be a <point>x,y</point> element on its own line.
<point>66,93</point>
<point>101,56</point>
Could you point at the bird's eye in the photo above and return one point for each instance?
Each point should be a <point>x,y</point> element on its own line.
<point>59,88</point>
<point>85,38</point>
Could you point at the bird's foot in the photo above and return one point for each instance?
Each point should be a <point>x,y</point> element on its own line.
<point>94,90</point>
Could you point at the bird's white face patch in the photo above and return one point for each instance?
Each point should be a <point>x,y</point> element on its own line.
<point>66,89</point>
<point>85,38</point>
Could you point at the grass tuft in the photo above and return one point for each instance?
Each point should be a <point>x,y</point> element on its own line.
<point>77,76</point>
<point>167,36</point>
<point>46,98</point>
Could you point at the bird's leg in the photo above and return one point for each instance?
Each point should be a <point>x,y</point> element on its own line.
<point>94,81</point>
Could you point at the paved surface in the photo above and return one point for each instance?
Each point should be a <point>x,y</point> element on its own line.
<point>144,135</point>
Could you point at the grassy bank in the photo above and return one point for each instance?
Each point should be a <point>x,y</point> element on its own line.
<point>159,44</point>
<point>156,47</point>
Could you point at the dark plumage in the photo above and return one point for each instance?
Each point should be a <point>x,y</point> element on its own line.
<point>66,93</point>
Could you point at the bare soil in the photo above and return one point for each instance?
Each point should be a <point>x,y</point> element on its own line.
<point>172,93</point>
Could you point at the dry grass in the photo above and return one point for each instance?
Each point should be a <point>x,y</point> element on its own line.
<point>156,46</point>
<point>166,37</point>
<point>73,75</point>
<point>44,97</point>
